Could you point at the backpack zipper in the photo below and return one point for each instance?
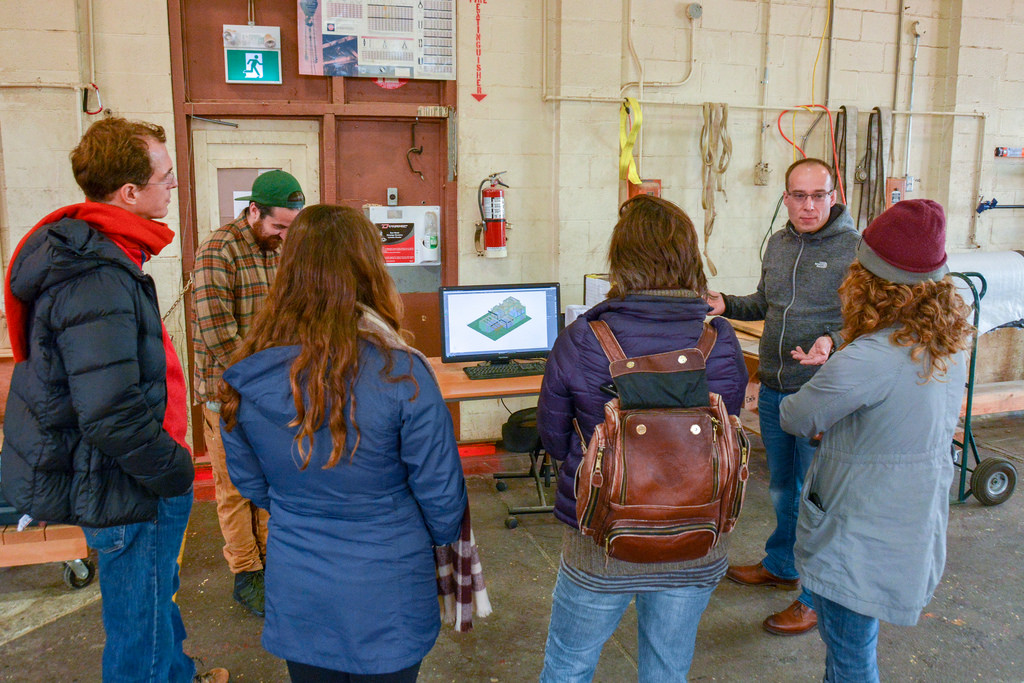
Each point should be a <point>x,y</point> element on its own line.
<point>596,481</point>
<point>658,531</point>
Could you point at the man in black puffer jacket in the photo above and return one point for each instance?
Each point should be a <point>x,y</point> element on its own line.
<point>95,428</point>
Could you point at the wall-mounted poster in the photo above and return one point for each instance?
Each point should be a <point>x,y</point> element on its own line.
<point>377,38</point>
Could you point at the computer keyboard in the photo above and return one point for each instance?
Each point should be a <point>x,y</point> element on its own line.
<point>504,370</point>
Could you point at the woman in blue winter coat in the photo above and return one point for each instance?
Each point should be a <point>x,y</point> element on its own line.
<point>337,427</point>
<point>655,305</point>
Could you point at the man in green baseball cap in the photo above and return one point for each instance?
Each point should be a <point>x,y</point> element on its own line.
<point>234,269</point>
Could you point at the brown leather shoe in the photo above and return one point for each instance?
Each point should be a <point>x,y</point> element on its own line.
<point>218,675</point>
<point>757,575</point>
<point>796,619</point>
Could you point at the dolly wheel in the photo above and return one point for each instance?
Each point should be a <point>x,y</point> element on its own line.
<point>993,481</point>
<point>73,580</point>
<point>511,522</point>
<point>501,485</point>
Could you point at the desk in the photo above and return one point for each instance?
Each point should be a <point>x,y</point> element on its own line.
<point>456,386</point>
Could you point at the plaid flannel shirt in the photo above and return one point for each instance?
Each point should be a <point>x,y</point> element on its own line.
<point>232,277</point>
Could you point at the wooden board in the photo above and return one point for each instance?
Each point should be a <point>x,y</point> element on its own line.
<point>456,386</point>
<point>996,397</point>
<point>752,327</point>
<point>36,545</point>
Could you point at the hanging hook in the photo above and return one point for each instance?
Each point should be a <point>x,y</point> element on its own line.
<point>414,150</point>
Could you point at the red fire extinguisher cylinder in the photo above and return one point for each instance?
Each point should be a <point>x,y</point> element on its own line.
<point>493,199</point>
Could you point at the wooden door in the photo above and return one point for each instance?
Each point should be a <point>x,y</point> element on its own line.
<point>410,155</point>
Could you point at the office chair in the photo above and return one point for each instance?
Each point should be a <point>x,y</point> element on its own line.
<point>519,435</point>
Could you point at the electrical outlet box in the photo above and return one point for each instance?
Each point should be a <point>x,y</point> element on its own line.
<point>651,186</point>
<point>895,190</point>
<point>762,173</point>
<point>392,196</point>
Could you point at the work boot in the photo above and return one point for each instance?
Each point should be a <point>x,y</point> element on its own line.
<point>218,675</point>
<point>249,591</point>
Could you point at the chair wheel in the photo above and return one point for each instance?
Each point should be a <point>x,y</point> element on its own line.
<point>993,481</point>
<point>511,522</point>
<point>501,485</point>
<point>73,580</point>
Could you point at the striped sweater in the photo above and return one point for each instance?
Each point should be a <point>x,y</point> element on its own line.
<point>232,277</point>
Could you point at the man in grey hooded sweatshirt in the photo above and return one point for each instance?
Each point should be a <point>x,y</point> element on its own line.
<point>798,299</point>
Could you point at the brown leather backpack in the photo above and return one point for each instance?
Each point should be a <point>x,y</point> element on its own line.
<point>664,475</point>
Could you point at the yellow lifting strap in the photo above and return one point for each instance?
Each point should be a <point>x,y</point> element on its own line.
<point>627,138</point>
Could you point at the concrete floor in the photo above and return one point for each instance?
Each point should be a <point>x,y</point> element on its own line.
<point>971,631</point>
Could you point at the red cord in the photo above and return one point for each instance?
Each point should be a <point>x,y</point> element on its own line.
<point>778,123</point>
<point>832,134</point>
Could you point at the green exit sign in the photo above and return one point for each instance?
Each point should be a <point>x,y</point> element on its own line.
<point>253,66</point>
<point>252,54</point>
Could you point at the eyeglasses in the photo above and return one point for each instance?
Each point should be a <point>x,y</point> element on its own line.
<point>168,179</point>
<point>801,197</point>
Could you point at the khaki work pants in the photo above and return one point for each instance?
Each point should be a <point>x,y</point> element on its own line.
<point>243,525</point>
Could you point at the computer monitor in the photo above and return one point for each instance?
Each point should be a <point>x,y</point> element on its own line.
<point>498,322</point>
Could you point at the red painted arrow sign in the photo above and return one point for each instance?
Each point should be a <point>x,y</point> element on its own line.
<point>479,94</point>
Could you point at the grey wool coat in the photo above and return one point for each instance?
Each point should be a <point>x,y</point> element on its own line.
<point>871,534</point>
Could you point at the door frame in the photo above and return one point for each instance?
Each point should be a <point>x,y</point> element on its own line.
<point>326,112</point>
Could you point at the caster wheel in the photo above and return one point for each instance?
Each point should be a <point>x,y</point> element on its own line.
<point>72,578</point>
<point>993,481</point>
<point>511,522</point>
<point>501,485</point>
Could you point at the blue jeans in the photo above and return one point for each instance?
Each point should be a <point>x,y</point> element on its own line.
<point>582,620</point>
<point>138,570</point>
<point>851,641</point>
<point>788,459</point>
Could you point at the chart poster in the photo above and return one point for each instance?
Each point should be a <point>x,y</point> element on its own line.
<point>388,39</point>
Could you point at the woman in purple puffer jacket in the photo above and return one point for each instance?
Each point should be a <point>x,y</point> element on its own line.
<point>655,305</point>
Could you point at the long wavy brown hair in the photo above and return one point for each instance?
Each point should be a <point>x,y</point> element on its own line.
<point>331,263</point>
<point>654,246</point>
<point>932,317</point>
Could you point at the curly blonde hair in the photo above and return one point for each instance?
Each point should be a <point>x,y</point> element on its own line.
<point>931,316</point>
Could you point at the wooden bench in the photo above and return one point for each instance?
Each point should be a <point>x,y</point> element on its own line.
<point>35,545</point>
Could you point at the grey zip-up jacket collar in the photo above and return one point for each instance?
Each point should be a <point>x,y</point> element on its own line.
<point>798,296</point>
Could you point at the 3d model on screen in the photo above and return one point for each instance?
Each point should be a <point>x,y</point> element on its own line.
<point>502,319</point>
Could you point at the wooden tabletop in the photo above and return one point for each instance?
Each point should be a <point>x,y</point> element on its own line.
<point>456,386</point>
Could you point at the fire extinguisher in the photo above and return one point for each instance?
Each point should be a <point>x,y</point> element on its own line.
<point>490,233</point>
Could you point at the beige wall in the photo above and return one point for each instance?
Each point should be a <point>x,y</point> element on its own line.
<point>48,43</point>
<point>561,157</point>
<point>970,60</point>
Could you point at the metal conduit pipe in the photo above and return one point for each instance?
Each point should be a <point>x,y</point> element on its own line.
<point>896,79</point>
<point>761,169</point>
<point>910,106</point>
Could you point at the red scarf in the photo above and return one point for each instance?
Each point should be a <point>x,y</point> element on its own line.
<point>139,238</point>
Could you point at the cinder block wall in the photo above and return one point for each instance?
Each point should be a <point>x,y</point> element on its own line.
<point>561,156</point>
<point>969,60</point>
<point>46,43</point>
